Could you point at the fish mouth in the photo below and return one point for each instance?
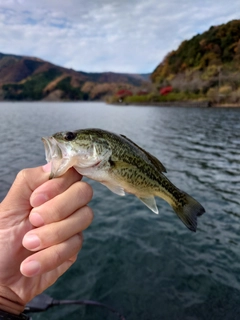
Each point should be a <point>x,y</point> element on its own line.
<point>52,149</point>
<point>58,158</point>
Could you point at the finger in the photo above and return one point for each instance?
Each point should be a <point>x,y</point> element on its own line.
<point>53,187</point>
<point>57,232</point>
<point>63,205</point>
<point>51,258</point>
<point>26,181</point>
<point>49,278</point>
<point>53,275</point>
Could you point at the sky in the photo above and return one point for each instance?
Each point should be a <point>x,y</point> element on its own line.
<point>128,36</point>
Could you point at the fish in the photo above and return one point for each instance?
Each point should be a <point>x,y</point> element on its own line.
<point>122,166</point>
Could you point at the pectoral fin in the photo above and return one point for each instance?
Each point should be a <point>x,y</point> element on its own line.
<point>150,203</point>
<point>115,188</point>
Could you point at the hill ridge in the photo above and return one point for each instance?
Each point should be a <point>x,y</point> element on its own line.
<point>29,78</point>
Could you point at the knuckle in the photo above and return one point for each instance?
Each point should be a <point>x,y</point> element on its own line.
<point>23,175</point>
<point>73,259</point>
<point>78,241</point>
<point>80,236</point>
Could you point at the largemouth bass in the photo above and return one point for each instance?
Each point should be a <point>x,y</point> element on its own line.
<point>122,166</point>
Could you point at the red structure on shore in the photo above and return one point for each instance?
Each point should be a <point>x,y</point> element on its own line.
<point>165,90</point>
<point>124,93</point>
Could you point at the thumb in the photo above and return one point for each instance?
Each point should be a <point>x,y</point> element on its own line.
<point>27,180</point>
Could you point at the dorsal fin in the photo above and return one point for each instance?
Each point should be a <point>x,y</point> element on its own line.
<point>157,164</point>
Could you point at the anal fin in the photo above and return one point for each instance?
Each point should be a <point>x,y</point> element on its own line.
<point>150,203</point>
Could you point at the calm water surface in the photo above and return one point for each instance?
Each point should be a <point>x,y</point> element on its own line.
<point>147,266</point>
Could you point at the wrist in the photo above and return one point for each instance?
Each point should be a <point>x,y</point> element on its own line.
<point>9,316</point>
<point>10,302</point>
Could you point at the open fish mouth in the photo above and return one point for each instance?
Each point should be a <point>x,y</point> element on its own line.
<point>52,149</point>
<point>58,157</point>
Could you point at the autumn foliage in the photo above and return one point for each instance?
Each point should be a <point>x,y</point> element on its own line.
<point>205,65</point>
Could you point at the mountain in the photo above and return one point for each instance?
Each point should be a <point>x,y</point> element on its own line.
<point>208,64</point>
<point>30,78</point>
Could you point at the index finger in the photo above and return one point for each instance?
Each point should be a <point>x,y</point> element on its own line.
<point>51,188</point>
<point>63,205</point>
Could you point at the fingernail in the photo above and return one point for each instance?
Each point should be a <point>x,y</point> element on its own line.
<point>30,268</point>
<point>38,199</point>
<point>36,220</point>
<point>47,167</point>
<point>31,241</point>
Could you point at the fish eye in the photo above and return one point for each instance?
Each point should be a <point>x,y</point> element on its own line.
<point>69,136</point>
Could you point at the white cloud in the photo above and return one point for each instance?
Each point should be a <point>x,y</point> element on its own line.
<point>104,35</point>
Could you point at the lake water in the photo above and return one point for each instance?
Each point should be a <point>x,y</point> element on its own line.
<point>147,266</point>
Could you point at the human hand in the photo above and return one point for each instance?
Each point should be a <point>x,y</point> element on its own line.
<point>41,221</point>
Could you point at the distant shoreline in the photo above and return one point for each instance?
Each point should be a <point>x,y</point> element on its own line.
<point>189,104</point>
<point>227,105</point>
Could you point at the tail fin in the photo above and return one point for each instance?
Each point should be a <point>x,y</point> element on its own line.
<point>189,212</point>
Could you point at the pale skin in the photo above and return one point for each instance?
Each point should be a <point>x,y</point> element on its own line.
<point>41,224</point>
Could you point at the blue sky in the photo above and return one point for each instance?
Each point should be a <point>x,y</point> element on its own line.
<point>106,35</point>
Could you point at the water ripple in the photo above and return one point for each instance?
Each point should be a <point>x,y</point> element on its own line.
<point>145,265</point>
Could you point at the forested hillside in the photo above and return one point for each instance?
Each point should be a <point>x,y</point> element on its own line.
<point>206,65</point>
